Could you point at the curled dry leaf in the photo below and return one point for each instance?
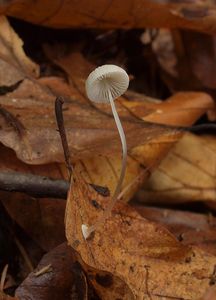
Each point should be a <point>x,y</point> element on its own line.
<point>198,15</point>
<point>144,255</point>
<point>186,174</point>
<point>62,280</point>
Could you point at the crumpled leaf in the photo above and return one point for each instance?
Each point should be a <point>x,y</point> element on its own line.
<point>188,227</point>
<point>198,15</point>
<point>56,277</point>
<point>186,174</point>
<point>14,64</point>
<point>36,140</point>
<point>144,254</point>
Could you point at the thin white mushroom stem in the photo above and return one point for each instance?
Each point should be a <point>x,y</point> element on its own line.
<point>110,206</point>
<point>104,85</point>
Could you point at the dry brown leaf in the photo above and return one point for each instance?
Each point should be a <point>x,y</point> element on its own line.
<point>189,228</point>
<point>141,253</point>
<point>186,174</point>
<point>36,140</point>
<point>14,64</point>
<point>181,109</point>
<point>198,15</point>
<point>59,278</point>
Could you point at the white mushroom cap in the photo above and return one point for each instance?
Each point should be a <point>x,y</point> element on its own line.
<point>105,80</point>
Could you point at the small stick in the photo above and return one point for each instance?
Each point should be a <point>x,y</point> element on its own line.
<point>60,121</point>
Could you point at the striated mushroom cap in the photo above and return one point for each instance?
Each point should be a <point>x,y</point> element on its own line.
<point>104,81</point>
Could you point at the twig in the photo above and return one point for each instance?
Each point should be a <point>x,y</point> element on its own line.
<point>60,121</point>
<point>34,185</point>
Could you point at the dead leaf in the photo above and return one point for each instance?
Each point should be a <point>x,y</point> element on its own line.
<point>144,255</point>
<point>198,15</point>
<point>63,281</point>
<point>181,109</point>
<point>14,64</point>
<point>186,174</point>
<point>36,140</point>
<point>38,217</point>
<point>188,227</point>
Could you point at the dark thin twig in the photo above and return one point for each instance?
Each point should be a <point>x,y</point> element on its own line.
<point>33,185</point>
<point>60,121</point>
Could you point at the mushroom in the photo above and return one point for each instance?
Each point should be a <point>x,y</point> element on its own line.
<point>104,85</point>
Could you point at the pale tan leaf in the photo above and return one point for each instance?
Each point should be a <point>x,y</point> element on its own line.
<point>186,174</point>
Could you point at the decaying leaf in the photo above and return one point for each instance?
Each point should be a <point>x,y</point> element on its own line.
<point>198,15</point>
<point>189,228</point>
<point>14,64</point>
<point>144,255</point>
<point>59,278</point>
<point>186,174</point>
